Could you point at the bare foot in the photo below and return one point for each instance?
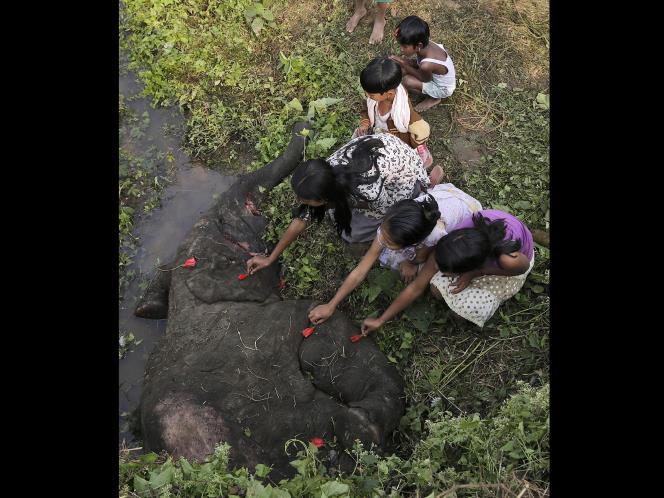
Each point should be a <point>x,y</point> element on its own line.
<point>355,19</point>
<point>377,33</point>
<point>436,176</point>
<point>426,104</point>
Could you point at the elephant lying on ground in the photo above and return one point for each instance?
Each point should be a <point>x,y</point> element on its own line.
<point>233,365</point>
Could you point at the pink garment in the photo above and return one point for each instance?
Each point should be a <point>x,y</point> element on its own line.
<point>515,229</point>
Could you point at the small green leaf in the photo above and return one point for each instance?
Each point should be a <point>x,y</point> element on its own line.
<point>186,467</point>
<point>320,105</point>
<point>249,14</point>
<point>161,479</point>
<point>301,465</point>
<point>262,470</point>
<point>295,105</point>
<point>257,25</point>
<point>522,205</point>
<point>500,207</point>
<point>507,446</point>
<point>333,488</point>
<point>140,484</point>
<point>325,144</point>
<point>542,101</point>
<point>148,458</point>
<point>373,293</point>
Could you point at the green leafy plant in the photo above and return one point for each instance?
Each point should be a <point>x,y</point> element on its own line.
<point>258,15</point>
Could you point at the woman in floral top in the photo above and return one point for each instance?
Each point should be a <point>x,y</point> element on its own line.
<point>357,184</point>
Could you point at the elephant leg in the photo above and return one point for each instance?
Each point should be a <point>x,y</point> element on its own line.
<point>154,302</point>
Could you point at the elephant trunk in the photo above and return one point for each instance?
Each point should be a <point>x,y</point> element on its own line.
<point>269,175</point>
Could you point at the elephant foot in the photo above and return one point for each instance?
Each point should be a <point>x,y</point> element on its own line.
<point>152,306</point>
<point>358,426</point>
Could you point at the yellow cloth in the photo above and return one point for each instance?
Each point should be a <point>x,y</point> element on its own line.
<point>419,131</point>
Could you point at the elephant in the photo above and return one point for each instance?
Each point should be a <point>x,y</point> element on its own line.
<point>233,364</point>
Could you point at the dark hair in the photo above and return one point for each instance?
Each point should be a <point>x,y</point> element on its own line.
<point>409,222</point>
<point>467,249</point>
<point>411,31</point>
<point>317,180</point>
<point>380,75</point>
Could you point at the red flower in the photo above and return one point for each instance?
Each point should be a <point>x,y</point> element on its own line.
<point>308,331</point>
<point>317,442</point>
<point>355,338</point>
<point>191,262</point>
<point>242,276</point>
<point>282,283</point>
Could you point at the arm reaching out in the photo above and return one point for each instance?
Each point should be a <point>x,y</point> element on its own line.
<point>258,262</point>
<point>324,311</point>
<point>509,265</point>
<point>407,296</point>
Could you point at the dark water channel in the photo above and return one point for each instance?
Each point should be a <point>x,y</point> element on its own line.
<point>192,192</point>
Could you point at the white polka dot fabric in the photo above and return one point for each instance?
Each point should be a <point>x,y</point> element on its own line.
<point>480,300</point>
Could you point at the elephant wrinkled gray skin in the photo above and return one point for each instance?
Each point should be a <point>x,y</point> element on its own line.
<point>233,365</point>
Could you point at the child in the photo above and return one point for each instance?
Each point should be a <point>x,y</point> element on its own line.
<point>389,109</point>
<point>406,238</point>
<point>433,74</point>
<point>474,268</point>
<point>491,254</point>
<point>379,19</point>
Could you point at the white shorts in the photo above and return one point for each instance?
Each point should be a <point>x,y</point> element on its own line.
<point>436,91</point>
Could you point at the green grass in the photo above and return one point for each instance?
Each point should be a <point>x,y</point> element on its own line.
<point>237,87</point>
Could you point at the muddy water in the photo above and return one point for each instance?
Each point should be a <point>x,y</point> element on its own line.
<point>192,192</point>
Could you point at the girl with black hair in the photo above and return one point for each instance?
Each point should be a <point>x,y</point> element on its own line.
<point>474,268</point>
<point>357,185</point>
<point>406,238</point>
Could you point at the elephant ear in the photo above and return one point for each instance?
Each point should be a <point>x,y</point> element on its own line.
<point>216,279</point>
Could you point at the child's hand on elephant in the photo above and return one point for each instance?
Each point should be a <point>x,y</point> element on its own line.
<point>371,324</point>
<point>321,313</point>
<point>257,263</point>
<point>408,271</point>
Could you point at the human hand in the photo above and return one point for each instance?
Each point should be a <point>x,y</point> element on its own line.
<point>369,325</point>
<point>321,313</point>
<point>462,281</point>
<point>398,59</point>
<point>361,131</point>
<point>257,263</point>
<point>408,271</point>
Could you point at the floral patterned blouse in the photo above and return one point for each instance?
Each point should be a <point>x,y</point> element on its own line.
<point>399,167</point>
